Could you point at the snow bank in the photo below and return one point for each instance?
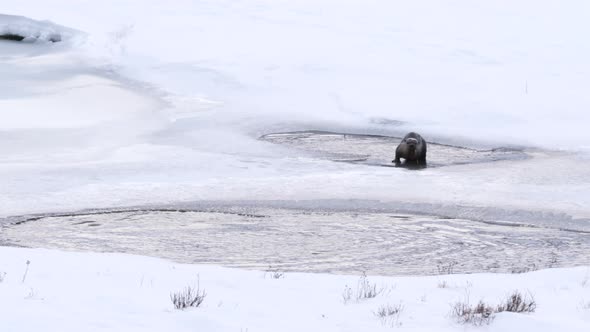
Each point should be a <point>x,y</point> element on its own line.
<point>29,30</point>
<point>91,292</point>
<point>493,72</point>
<point>79,101</point>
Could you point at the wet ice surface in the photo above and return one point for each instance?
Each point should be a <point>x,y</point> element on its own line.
<point>309,240</point>
<point>378,150</point>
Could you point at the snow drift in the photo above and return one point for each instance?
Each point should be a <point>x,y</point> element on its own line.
<point>20,28</point>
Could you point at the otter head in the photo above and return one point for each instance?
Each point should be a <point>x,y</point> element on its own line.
<point>411,143</point>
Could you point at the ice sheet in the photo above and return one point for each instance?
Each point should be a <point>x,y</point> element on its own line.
<point>167,104</point>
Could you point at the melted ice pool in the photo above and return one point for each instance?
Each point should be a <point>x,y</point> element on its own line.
<point>377,150</point>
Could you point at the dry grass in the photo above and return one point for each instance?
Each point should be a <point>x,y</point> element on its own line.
<point>480,314</point>
<point>274,273</point>
<point>483,313</point>
<point>446,267</point>
<point>364,290</point>
<point>516,302</point>
<point>188,297</point>
<point>389,314</point>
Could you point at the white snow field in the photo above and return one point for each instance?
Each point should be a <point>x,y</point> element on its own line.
<point>147,105</point>
<point>115,292</point>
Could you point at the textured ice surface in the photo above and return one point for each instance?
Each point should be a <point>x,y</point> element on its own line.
<point>379,150</point>
<point>310,240</point>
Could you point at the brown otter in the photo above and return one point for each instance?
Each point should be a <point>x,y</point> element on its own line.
<point>412,149</point>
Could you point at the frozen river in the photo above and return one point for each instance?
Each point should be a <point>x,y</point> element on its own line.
<point>282,155</point>
<point>339,236</point>
<point>309,240</point>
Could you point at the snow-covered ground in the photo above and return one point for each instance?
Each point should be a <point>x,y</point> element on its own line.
<point>115,292</point>
<point>109,104</point>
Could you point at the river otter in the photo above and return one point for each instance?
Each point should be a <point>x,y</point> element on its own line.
<point>412,149</point>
